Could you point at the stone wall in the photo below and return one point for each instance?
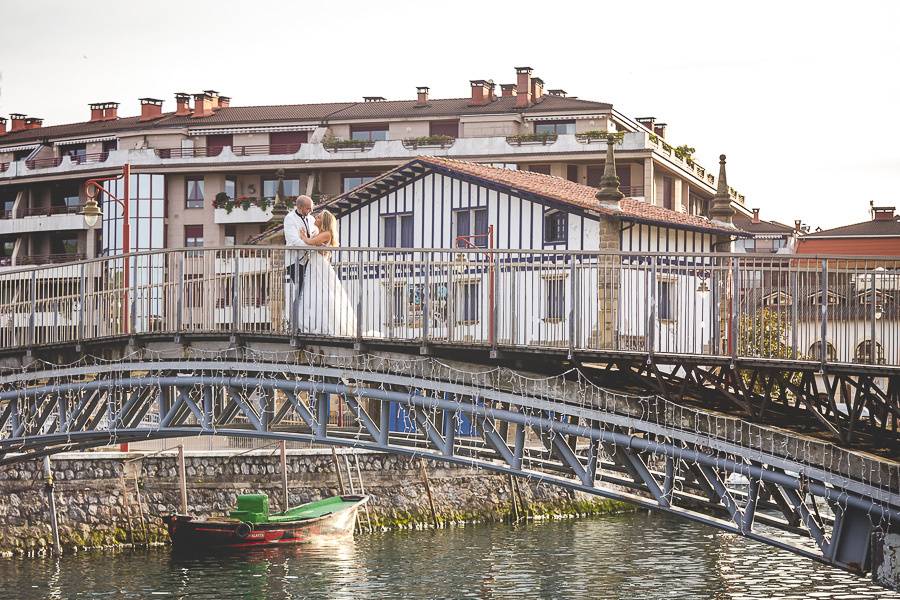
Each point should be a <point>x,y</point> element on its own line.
<point>98,503</point>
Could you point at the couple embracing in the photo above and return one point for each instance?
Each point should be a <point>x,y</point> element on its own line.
<point>315,296</point>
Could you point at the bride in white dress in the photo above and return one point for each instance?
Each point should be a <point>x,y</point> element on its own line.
<point>325,306</point>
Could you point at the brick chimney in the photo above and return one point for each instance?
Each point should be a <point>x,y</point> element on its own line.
<point>798,225</point>
<point>482,92</point>
<point>523,87</point>
<point>2,125</point>
<point>660,129</point>
<point>214,98</point>
<point>557,92</point>
<point>883,213</point>
<point>755,216</point>
<point>151,108</point>
<point>647,122</point>
<point>33,123</point>
<point>224,101</point>
<point>537,89</point>
<point>182,104</point>
<point>507,89</point>
<point>96,111</point>
<point>203,106</point>
<point>17,122</point>
<point>422,95</point>
<point>110,111</point>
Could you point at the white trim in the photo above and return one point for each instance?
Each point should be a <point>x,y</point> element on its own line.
<point>564,117</point>
<point>17,148</point>
<point>84,140</point>
<point>233,130</point>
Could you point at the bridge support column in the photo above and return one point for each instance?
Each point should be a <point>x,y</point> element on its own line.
<point>886,560</point>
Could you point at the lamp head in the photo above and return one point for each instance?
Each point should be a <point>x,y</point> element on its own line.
<point>91,211</point>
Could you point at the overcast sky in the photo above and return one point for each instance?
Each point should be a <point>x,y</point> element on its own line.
<point>800,96</point>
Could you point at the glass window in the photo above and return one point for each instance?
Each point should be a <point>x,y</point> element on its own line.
<point>193,237</point>
<point>555,299</point>
<point>450,128</point>
<point>664,298</point>
<point>480,217</point>
<point>407,233</point>
<point>369,133</point>
<point>291,188</point>
<point>668,193</point>
<point>230,235</point>
<point>462,227</point>
<point>389,239</point>
<point>554,127</point>
<point>468,302</point>
<point>193,192</point>
<point>231,187</point>
<point>110,145</point>
<point>572,173</point>
<point>64,245</point>
<point>76,152</point>
<point>471,227</point>
<point>351,181</point>
<point>556,227</point>
<point>67,196</point>
<point>543,169</point>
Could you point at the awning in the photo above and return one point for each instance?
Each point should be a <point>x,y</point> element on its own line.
<point>233,130</point>
<point>72,142</point>
<point>563,117</point>
<point>18,148</point>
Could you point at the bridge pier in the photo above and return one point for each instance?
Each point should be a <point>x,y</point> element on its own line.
<point>886,561</point>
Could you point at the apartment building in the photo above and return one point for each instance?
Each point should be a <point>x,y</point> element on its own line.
<point>206,173</point>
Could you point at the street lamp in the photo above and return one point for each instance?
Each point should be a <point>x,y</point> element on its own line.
<point>91,212</point>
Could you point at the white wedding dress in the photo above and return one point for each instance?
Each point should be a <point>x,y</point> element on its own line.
<point>325,306</point>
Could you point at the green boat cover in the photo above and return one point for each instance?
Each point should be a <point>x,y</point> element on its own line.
<point>254,508</point>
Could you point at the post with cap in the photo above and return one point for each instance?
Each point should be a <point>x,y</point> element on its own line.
<point>609,192</point>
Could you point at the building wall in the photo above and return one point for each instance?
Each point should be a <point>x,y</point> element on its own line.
<point>857,246</point>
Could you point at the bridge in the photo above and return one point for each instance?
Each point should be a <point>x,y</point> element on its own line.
<point>758,395</point>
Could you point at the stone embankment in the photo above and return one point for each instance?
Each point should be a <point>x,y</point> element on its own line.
<point>109,499</point>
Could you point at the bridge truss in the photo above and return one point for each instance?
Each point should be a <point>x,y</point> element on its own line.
<point>798,494</point>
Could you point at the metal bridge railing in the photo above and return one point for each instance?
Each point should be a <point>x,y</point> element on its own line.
<point>802,308</point>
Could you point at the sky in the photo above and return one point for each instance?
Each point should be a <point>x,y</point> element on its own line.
<point>799,95</point>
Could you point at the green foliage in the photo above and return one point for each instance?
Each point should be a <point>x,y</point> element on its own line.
<point>429,140</point>
<point>531,137</point>
<point>685,152</point>
<point>764,334</point>
<point>333,143</point>
<point>245,202</point>
<point>600,134</point>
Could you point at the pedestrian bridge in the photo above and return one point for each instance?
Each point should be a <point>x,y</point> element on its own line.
<point>500,359</point>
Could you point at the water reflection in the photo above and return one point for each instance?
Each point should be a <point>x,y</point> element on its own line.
<point>630,556</point>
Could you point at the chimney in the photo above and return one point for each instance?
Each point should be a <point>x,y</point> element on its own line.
<point>33,123</point>
<point>523,87</point>
<point>537,89</point>
<point>422,95</point>
<point>507,89</point>
<point>182,104</point>
<point>17,122</point>
<point>110,111</point>
<point>883,213</point>
<point>557,92</point>
<point>482,92</point>
<point>214,98</point>
<point>660,129</point>
<point>203,106</point>
<point>373,98</point>
<point>798,225</point>
<point>2,125</point>
<point>755,216</point>
<point>224,101</point>
<point>96,111</point>
<point>151,108</point>
<point>647,122</point>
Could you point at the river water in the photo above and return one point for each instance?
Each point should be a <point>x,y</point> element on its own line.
<point>626,556</point>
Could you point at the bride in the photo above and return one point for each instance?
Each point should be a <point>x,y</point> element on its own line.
<point>325,306</point>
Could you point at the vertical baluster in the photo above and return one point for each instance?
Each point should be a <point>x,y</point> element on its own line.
<point>652,314</point>
<point>823,276</point>
<point>572,299</point>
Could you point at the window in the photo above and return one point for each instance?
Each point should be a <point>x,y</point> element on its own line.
<point>22,154</point>
<point>193,238</point>
<point>572,173</point>
<point>287,142</point>
<point>67,197</point>
<point>215,143</point>
<point>76,152</point>
<point>231,187</point>
<point>555,298</point>
<point>348,182</point>
<point>471,227</point>
<point>556,227</point>
<point>230,235</point>
<point>556,127</point>
<point>594,174</point>
<point>668,186</point>
<point>450,128</point>
<point>398,228</point>
<point>623,172</point>
<point>665,297</point>
<point>193,289</point>
<point>815,352</point>
<point>68,245</point>
<point>469,305</point>
<point>270,186</point>
<point>542,169</point>
<point>193,195</point>
<point>6,252</point>
<point>110,145</point>
<point>697,205</point>
<point>368,133</point>
<point>869,352</point>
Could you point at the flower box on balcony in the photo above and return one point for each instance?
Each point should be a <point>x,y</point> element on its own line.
<point>531,138</point>
<point>599,135</point>
<point>335,145</point>
<point>428,141</point>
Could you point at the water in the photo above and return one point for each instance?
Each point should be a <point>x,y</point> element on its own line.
<point>628,556</point>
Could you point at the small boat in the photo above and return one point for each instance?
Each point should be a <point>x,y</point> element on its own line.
<point>250,524</point>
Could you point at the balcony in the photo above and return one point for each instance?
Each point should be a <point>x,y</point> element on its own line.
<point>49,259</point>
<point>43,163</point>
<point>238,214</point>
<point>42,218</point>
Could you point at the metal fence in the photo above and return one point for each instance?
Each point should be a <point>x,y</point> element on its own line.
<point>819,309</point>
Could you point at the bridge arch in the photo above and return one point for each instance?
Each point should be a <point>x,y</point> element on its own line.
<point>562,430</point>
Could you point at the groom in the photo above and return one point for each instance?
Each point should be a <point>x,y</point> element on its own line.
<point>296,221</point>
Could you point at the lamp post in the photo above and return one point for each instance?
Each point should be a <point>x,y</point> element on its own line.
<point>92,213</point>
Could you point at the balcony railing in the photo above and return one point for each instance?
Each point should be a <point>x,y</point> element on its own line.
<point>632,191</point>
<point>3,166</point>
<point>46,211</point>
<point>716,305</point>
<point>43,163</point>
<point>199,152</point>
<point>265,149</point>
<point>50,259</point>
<point>81,159</point>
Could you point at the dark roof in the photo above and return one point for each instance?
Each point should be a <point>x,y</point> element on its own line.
<point>742,221</point>
<point>552,188</point>
<point>866,228</point>
<point>279,113</point>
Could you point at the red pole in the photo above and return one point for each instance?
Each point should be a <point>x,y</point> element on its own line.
<point>126,242</point>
